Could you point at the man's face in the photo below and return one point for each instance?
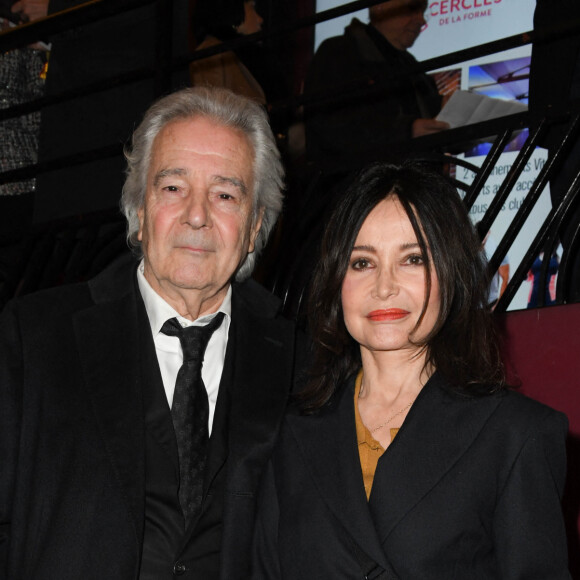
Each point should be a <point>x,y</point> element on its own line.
<point>400,21</point>
<point>196,224</point>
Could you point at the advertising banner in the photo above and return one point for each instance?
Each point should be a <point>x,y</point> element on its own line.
<point>453,25</point>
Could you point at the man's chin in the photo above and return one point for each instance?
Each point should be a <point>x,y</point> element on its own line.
<point>411,40</point>
<point>187,280</point>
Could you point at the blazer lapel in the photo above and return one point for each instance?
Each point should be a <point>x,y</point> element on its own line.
<point>328,443</point>
<point>438,430</point>
<point>108,341</point>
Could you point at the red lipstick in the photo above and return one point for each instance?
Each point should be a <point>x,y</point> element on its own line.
<point>388,314</point>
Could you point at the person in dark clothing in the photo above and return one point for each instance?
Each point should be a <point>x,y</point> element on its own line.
<point>535,275</point>
<point>554,91</point>
<point>406,457</point>
<point>22,71</point>
<point>250,69</point>
<point>366,57</point>
<point>217,22</point>
<point>96,434</point>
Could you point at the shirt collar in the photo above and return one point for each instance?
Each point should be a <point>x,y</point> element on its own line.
<point>159,311</point>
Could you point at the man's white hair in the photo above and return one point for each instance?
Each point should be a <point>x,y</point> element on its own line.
<point>224,108</point>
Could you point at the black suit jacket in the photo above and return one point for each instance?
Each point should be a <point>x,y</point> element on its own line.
<point>469,489</point>
<point>72,449</point>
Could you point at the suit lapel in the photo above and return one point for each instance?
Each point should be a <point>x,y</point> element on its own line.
<point>251,403</point>
<point>218,447</point>
<point>108,341</point>
<point>328,443</point>
<point>251,400</point>
<point>157,413</point>
<point>263,359</point>
<point>438,430</point>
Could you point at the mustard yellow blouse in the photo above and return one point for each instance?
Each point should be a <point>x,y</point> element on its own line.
<point>369,449</point>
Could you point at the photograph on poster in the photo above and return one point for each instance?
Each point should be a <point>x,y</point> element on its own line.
<point>506,80</point>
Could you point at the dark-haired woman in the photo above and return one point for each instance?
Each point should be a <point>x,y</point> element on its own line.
<point>407,457</point>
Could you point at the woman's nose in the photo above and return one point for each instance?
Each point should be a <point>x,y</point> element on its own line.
<point>386,283</point>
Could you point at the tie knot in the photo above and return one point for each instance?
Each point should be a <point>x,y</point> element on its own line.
<point>193,339</point>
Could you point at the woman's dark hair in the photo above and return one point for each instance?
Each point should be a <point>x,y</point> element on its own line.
<point>463,343</point>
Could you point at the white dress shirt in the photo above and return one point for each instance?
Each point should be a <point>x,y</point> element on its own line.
<point>168,348</point>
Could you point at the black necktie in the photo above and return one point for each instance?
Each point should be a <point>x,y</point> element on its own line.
<point>190,412</point>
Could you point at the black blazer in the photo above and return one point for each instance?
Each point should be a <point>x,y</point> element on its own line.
<point>469,489</point>
<point>72,427</point>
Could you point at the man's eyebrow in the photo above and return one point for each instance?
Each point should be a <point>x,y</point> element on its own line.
<point>170,172</point>
<point>234,181</point>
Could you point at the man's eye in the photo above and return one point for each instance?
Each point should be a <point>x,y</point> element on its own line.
<point>172,188</point>
<point>225,196</point>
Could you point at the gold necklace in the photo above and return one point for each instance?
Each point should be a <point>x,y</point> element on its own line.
<point>392,417</point>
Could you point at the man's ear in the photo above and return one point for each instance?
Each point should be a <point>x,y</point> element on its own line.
<point>255,229</point>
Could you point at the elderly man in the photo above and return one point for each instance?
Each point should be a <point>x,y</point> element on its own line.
<point>119,461</point>
<point>375,98</point>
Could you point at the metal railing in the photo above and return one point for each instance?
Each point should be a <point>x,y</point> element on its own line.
<point>501,130</point>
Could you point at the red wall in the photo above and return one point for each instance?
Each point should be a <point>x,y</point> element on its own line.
<point>542,352</point>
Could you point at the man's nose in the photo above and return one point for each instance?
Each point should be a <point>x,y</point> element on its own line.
<point>197,211</point>
<point>419,18</point>
<point>419,13</point>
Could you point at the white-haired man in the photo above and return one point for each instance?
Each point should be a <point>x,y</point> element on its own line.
<point>114,464</point>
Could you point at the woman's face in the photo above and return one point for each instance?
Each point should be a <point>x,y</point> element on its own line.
<point>252,20</point>
<point>385,283</point>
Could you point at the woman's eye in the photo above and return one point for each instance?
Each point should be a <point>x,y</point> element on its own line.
<point>415,260</point>
<point>360,264</point>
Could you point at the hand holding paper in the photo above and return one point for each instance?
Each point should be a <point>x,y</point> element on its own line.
<point>466,108</point>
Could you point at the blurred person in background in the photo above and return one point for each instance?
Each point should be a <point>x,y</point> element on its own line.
<point>249,69</point>
<point>350,119</point>
<point>23,74</point>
